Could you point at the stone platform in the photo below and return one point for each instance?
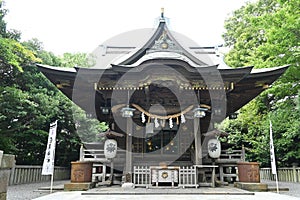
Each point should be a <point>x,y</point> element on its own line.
<point>117,190</point>
<point>78,186</point>
<point>202,193</point>
<point>255,187</point>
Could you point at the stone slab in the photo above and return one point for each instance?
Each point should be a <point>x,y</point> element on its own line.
<point>127,185</point>
<point>79,196</point>
<point>254,187</point>
<point>78,186</point>
<point>8,161</point>
<point>56,188</point>
<point>4,177</point>
<point>274,189</point>
<point>117,190</point>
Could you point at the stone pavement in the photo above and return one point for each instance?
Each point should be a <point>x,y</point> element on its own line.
<point>204,193</point>
<point>294,188</point>
<point>80,196</point>
<point>33,190</point>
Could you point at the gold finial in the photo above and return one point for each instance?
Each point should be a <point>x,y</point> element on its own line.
<point>162,12</point>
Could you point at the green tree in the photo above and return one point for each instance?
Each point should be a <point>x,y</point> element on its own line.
<point>46,57</point>
<point>12,54</point>
<point>66,60</point>
<point>12,57</point>
<point>266,34</point>
<point>3,12</point>
<point>29,102</point>
<point>77,60</point>
<point>27,109</point>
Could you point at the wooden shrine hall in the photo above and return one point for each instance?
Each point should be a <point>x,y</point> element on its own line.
<point>161,94</point>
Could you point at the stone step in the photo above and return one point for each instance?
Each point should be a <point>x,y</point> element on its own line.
<point>257,187</point>
<point>78,186</point>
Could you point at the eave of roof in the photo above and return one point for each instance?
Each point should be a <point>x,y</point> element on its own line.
<point>61,69</point>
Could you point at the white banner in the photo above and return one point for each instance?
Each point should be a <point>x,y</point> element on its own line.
<point>48,165</point>
<point>272,152</point>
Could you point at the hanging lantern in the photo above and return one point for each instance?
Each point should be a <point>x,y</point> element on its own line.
<point>110,148</point>
<point>127,112</point>
<point>214,148</point>
<point>199,112</point>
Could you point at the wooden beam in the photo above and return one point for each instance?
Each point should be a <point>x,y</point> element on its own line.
<point>198,143</point>
<point>128,164</point>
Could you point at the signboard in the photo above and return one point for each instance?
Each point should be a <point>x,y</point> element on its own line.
<point>48,165</point>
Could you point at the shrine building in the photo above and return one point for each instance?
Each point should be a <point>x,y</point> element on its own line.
<point>161,95</point>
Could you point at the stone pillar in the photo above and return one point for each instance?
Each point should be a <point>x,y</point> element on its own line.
<point>198,145</point>
<point>7,162</point>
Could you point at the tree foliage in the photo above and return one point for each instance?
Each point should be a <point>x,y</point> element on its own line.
<point>28,107</point>
<point>66,60</point>
<point>29,103</point>
<point>266,34</point>
<point>37,48</point>
<point>77,60</point>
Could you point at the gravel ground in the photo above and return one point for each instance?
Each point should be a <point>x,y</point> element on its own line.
<point>30,191</point>
<point>294,188</point>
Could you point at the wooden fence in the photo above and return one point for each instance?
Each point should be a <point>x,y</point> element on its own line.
<point>142,176</point>
<point>286,174</point>
<point>21,174</point>
<point>187,176</point>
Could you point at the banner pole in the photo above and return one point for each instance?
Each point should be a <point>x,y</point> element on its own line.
<point>273,159</point>
<point>277,187</point>
<point>48,164</point>
<point>51,186</point>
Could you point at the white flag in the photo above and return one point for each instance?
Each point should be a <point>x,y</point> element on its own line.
<point>48,165</point>
<point>272,152</point>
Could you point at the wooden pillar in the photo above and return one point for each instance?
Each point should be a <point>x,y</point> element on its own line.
<point>128,164</point>
<point>198,145</point>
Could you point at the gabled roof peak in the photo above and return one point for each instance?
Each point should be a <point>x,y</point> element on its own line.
<point>164,43</point>
<point>161,41</point>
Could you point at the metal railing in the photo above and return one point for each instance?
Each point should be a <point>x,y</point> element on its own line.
<point>286,174</point>
<point>21,174</point>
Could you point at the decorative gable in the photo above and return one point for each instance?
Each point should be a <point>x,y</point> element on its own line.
<point>164,43</point>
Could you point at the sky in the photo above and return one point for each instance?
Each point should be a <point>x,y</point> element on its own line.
<point>80,26</point>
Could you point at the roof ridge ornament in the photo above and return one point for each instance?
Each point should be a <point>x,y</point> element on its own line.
<point>164,44</point>
<point>162,17</point>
